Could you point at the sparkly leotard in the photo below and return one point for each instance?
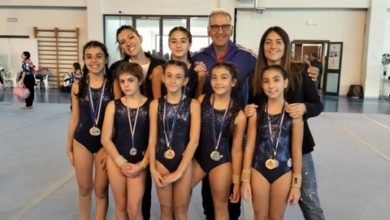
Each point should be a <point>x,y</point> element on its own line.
<point>206,143</point>
<point>180,134</point>
<point>122,136</point>
<point>82,135</point>
<point>264,145</point>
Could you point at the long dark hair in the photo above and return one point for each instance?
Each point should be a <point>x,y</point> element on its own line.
<point>118,31</point>
<point>83,80</point>
<point>294,77</point>
<point>187,33</point>
<point>236,105</point>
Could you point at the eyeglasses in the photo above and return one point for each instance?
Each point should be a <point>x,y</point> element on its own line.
<point>216,27</point>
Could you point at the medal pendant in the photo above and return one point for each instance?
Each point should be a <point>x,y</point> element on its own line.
<point>94,131</point>
<point>215,155</point>
<point>133,151</point>
<point>169,154</point>
<point>271,164</point>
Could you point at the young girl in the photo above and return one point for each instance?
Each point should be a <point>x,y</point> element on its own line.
<point>180,40</point>
<point>274,148</point>
<point>174,135</point>
<point>219,154</point>
<point>90,96</point>
<point>27,78</point>
<point>125,132</point>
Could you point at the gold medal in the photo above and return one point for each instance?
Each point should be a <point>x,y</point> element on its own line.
<point>271,164</point>
<point>94,131</point>
<point>169,154</point>
<point>215,155</point>
<point>133,151</point>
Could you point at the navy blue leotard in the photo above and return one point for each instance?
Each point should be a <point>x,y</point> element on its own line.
<point>181,132</point>
<point>92,143</point>
<point>206,143</point>
<point>264,146</point>
<point>122,135</point>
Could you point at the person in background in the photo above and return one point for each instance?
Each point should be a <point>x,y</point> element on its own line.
<point>303,101</point>
<point>315,62</point>
<point>27,78</point>
<point>220,30</point>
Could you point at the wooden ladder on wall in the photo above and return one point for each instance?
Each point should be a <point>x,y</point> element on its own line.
<point>58,49</point>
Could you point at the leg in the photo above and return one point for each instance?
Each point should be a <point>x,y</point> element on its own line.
<point>220,187</point>
<point>207,201</point>
<point>181,194</point>
<point>29,82</point>
<point>83,163</point>
<point>197,173</point>
<point>101,184</point>
<point>309,202</point>
<point>260,195</point>
<point>165,195</point>
<point>146,201</point>
<point>280,189</point>
<point>118,186</point>
<point>135,192</point>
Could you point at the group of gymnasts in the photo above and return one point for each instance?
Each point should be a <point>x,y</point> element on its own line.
<point>147,120</point>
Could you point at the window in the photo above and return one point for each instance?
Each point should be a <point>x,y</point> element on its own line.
<point>151,28</point>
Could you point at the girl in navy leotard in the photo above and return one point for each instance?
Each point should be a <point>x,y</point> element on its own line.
<point>90,96</point>
<point>180,40</point>
<point>125,138</point>
<point>173,138</point>
<point>273,150</point>
<point>219,154</point>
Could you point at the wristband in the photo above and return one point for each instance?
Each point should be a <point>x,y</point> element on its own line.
<point>246,176</point>
<point>120,160</point>
<point>296,181</point>
<point>236,178</point>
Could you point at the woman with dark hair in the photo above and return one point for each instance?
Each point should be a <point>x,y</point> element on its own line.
<point>302,101</point>
<point>27,78</point>
<point>90,96</point>
<point>180,40</point>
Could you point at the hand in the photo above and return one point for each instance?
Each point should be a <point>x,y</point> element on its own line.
<point>157,178</point>
<point>172,177</point>
<point>200,67</point>
<point>313,72</point>
<point>246,191</point>
<point>250,110</point>
<point>101,158</point>
<point>132,170</point>
<point>293,197</point>
<point>235,196</point>
<point>296,110</point>
<point>70,156</point>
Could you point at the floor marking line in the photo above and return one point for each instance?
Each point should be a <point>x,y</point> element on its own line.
<point>377,122</point>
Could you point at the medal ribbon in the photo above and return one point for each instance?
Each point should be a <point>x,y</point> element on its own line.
<point>275,148</point>
<point>165,122</point>
<point>216,142</point>
<point>132,129</point>
<point>96,115</point>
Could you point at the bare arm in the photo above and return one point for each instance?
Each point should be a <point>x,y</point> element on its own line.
<point>157,77</point>
<point>248,157</point>
<point>237,148</point>
<point>201,69</point>
<point>73,121</point>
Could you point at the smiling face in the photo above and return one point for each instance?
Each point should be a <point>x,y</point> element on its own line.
<point>273,84</point>
<point>179,43</point>
<point>220,30</point>
<point>222,81</point>
<point>174,78</point>
<point>95,60</point>
<point>273,48</point>
<point>130,42</point>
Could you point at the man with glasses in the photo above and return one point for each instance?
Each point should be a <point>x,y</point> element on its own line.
<point>221,49</point>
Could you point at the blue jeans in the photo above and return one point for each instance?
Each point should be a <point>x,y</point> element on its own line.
<point>309,202</point>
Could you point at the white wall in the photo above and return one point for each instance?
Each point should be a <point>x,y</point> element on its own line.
<point>332,24</point>
<point>386,48</point>
<point>49,18</point>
